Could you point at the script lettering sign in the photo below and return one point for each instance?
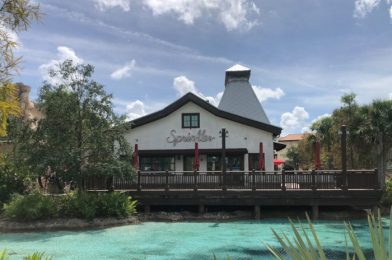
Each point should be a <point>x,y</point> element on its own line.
<point>200,136</point>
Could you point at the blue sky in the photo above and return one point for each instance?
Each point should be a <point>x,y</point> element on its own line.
<point>303,54</point>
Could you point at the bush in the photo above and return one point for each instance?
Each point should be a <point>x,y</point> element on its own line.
<point>90,205</point>
<point>11,181</point>
<point>30,207</point>
<point>115,204</point>
<point>75,205</point>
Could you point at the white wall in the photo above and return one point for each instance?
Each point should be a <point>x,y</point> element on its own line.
<point>153,136</point>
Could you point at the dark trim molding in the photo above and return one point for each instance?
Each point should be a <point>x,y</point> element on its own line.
<point>231,151</point>
<point>189,97</point>
<point>279,146</point>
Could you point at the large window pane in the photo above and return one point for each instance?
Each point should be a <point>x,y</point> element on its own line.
<point>162,163</point>
<point>233,163</point>
<point>188,163</point>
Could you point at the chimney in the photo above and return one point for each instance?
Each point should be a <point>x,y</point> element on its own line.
<point>239,97</point>
<point>237,72</point>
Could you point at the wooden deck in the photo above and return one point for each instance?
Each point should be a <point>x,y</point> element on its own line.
<point>357,188</point>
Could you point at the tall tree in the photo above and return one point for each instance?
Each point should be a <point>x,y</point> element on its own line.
<point>324,129</point>
<point>80,134</point>
<point>350,106</point>
<point>15,16</point>
<point>377,130</point>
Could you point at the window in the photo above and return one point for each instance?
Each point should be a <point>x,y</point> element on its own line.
<point>253,161</point>
<point>188,163</point>
<point>191,120</point>
<point>233,163</point>
<point>162,163</point>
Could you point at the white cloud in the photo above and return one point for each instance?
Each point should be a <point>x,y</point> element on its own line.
<point>103,5</point>
<point>295,120</point>
<point>135,109</point>
<point>234,14</point>
<point>124,71</point>
<point>390,96</point>
<point>266,93</point>
<point>364,7</point>
<point>63,53</point>
<point>184,85</point>
<point>390,12</point>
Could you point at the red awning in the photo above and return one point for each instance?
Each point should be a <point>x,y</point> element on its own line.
<point>261,165</point>
<point>196,162</point>
<point>135,157</point>
<point>278,162</point>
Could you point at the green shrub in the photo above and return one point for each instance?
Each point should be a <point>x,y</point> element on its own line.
<point>75,205</point>
<point>90,205</point>
<point>115,204</point>
<point>12,180</point>
<point>30,207</point>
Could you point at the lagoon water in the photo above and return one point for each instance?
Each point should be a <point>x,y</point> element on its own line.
<point>184,240</point>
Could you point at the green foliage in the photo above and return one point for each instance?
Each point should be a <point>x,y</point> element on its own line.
<point>12,180</point>
<point>37,256</point>
<point>75,205</point>
<point>369,137</point>
<point>30,207</point>
<point>305,246</point>
<point>90,205</point>
<point>9,105</point>
<point>15,16</point>
<point>34,256</point>
<point>3,255</point>
<point>80,134</point>
<point>78,205</point>
<point>387,196</point>
<point>294,158</point>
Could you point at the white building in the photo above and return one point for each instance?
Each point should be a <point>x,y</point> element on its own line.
<point>166,139</point>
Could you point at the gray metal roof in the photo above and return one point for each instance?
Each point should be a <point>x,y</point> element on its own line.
<point>239,97</point>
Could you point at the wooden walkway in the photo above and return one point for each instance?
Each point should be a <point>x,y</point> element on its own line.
<point>357,188</point>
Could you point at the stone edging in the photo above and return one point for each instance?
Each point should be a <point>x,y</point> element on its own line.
<point>72,224</point>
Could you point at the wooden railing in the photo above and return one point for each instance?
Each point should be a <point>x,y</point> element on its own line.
<point>241,180</point>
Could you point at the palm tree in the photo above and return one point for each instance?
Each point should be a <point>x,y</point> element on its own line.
<point>377,130</point>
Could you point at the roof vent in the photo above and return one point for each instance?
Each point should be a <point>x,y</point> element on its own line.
<point>237,72</point>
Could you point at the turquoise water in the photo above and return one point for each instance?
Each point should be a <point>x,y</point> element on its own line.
<point>186,240</point>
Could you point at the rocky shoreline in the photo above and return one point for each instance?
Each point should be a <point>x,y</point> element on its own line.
<point>74,224</point>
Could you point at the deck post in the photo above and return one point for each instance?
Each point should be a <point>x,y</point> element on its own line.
<point>283,180</point>
<point>315,212</point>
<point>314,188</point>
<point>257,212</point>
<point>343,141</point>
<point>223,158</point>
<point>195,180</point>
<point>253,180</point>
<point>376,182</point>
<point>167,181</point>
<point>201,209</point>
<point>139,187</point>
